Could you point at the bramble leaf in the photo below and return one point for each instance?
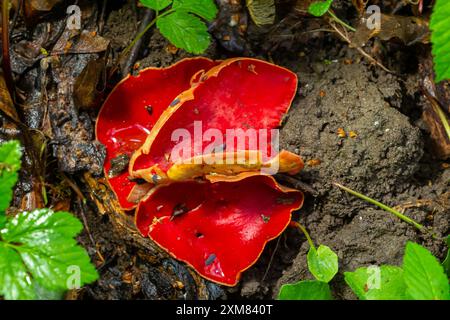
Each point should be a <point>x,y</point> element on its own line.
<point>377,283</point>
<point>185,31</point>
<point>205,9</point>
<point>157,5</point>
<point>322,263</point>
<point>319,8</point>
<point>305,290</point>
<point>446,262</point>
<point>440,33</point>
<point>424,276</point>
<point>10,155</point>
<point>15,282</point>
<point>42,243</point>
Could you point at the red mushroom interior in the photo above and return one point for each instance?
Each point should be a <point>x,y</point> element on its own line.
<point>131,110</point>
<point>220,229</point>
<point>240,93</point>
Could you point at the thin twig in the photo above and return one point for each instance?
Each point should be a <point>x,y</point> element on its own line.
<point>101,20</point>
<point>382,206</point>
<point>16,17</point>
<point>365,54</point>
<point>271,260</point>
<point>134,52</point>
<point>6,61</point>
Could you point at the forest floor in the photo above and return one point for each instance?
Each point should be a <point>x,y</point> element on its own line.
<point>387,154</point>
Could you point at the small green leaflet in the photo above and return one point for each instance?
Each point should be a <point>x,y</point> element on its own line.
<point>185,31</point>
<point>319,8</point>
<point>377,283</point>
<point>305,290</point>
<point>157,5</point>
<point>10,155</point>
<point>182,24</point>
<point>446,263</point>
<point>205,9</point>
<point>38,249</point>
<point>15,282</point>
<point>322,263</point>
<point>424,276</point>
<point>440,35</point>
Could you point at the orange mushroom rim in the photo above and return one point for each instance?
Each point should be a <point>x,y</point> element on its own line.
<point>134,89</point>
<point>189,96</point>
<point>194,72</point>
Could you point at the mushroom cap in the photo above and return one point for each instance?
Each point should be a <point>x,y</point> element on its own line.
<point>248,95</point>
<point>219,229</point>
<point>133,107</point>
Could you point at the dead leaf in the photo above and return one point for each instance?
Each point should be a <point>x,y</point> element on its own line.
<point>86,92</point>
<point>439,137</point>
<point>360,6</point>
<point>34,9</point>
<point>408,29</point>
<point>86,42</point>
<point>6,103</point>
<point>262,12</point>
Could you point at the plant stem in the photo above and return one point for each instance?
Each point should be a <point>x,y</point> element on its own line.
<point>443,118</point>
<point>338,20</point>
<point>137,38</point>
<point>6,60</point>
<point>303,229</point>
<point>140,35</point>
<point>382,206</point>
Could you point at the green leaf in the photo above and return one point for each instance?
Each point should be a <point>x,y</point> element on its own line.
<point>205,9</point>
<point>319,8</point>
<point>440,35</point>
<point>377,283</point>
<point>10,155</point>
<point>306,290</point>
<point>156,5</point>
<point>15,282</point>
<point>322,263</point>
<point>43,239</point>
<point>446,263</point>
<point>185,31</point>
<point>424,276</point>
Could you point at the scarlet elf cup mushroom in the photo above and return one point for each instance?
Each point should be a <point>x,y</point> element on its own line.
<point>208,204</point>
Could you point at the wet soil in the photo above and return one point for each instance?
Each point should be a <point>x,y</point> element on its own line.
<point>386,154</point>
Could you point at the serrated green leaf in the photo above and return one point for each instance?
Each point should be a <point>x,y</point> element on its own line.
<point>10,155</point>
<point>306,290</point>
<point>322,263</point>
<point>446,262</point>
<point>440,35</point>
<point>319,8</point>
<point>157,5</point>
<point>45,294</point>
<point>377,283</point>
<point>185,31</point>
<point>15,282</point>
<point>424,276</point>
<point>205,9</point>
<point>46,245</point>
